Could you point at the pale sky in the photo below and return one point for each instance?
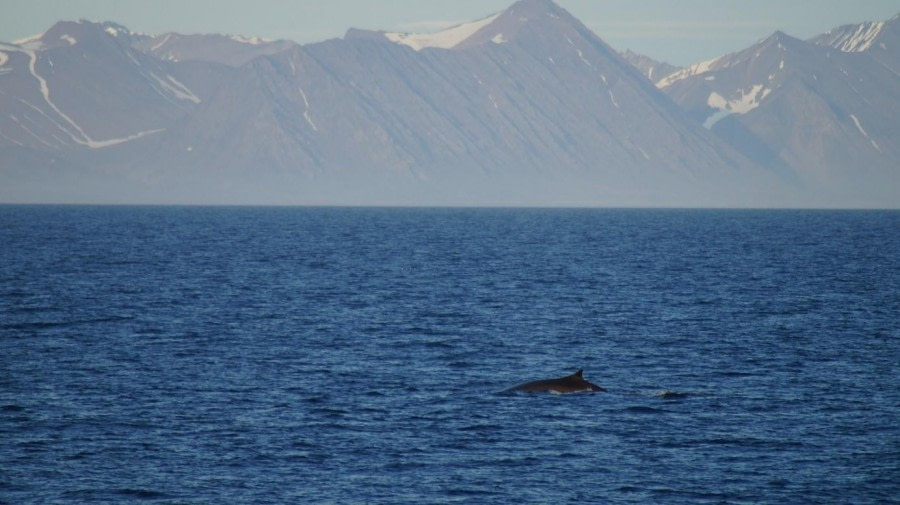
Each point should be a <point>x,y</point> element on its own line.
<point>680,32</point>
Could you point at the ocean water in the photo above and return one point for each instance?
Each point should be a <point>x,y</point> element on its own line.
<point>351,355</point>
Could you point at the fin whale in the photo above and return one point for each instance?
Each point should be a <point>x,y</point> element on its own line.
<point>574,383</point>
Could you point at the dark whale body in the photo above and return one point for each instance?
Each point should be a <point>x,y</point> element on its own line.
<point>574,383</point>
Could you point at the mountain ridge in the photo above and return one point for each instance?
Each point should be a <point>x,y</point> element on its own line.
<point>824,117</point>
<point>524,107</point>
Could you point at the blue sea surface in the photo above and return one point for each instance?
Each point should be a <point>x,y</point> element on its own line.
<point>355,355</point>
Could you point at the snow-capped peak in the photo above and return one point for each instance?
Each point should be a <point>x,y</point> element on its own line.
<point>254,41</point>
<point>696,69</point>
<point>445,39</point>
<point>777,41</point>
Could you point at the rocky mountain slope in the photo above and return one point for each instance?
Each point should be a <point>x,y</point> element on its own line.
<point>821,116</point>
<point>524,107</point>
<point>232,50</point>
<point>652,69</point>
<point>879,39</point>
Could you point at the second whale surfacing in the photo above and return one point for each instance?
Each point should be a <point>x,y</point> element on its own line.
<point>574,383</point>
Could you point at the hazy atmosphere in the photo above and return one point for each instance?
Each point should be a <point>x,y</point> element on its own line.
<point>528,103</point>
<point>478,251</point>
<point>679,33</point>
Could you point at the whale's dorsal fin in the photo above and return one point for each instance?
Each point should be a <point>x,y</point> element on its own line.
<point>578,373</point>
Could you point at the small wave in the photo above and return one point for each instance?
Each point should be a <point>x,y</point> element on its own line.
<point>470,492</point>
<point>736,373</point>
<point>304,444</point>
<point>145,494</point>
<point>122,493</point>
<point>673,395</point>
<point>440,344</point>
<point>642,409</point>
<point>333,412</point>
<point>481,427</point>
<point>316,399</point>
<point>79,455</point>
<point>737,442</point>
<point>17,293</point>
<point>41,325</point>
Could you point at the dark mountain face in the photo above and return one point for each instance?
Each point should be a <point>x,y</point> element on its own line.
<point>525,107</point>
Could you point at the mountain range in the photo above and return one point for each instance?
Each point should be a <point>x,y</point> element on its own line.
<point>823,112</point>
<point>523,107</point>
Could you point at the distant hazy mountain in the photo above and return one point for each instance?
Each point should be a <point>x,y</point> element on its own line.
<point>652,69</point>
<point>79,86</point>
<point>230,50</point>
<point>72,98</point>
<point>825,118</point>
<point>524,107</point>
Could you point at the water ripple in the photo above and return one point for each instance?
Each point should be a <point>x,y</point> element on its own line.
<point>210,355</point>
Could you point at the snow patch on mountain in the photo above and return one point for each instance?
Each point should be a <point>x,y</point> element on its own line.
<point>858,40</point>
<point>742,104</point>
<point>132,58</point>
<point>31,39</point>
<point>580,54</point>
<point>68,39</point>
<point>863,131</point>
<point>696,69</point>
<point>643,152</point>
<point>28,130</point>
<point>82,138</point>
<point>613,99</point>
<point>161,43</point>
<point>306,114</point>
<point>254,41</point>
<point>174,87</point>
<point>14,141</point>
<point>445,39</point>
<point>99,144</point>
